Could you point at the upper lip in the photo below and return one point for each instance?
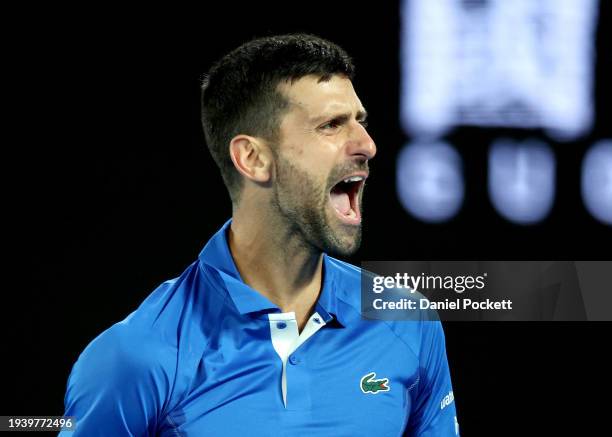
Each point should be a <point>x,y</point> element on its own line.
<point>363,174</point>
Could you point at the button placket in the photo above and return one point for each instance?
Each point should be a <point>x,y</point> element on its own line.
<point>295,378</point>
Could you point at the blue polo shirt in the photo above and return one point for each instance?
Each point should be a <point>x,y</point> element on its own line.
<point>206,355</point>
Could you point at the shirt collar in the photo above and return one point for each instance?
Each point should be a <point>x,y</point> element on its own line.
<point>216,254</point>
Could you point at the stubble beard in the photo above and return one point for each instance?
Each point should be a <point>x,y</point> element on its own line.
<point>301,203</point>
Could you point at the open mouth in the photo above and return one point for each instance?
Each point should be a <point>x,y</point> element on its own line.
<point>344,198</point>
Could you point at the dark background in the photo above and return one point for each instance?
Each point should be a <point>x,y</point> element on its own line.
<point>113,191</point>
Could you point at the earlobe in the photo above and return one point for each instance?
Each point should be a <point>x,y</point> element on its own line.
<point>251,158</point>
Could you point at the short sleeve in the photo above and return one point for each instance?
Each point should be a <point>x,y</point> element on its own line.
<point>117,387</point>
<point>433,413</point>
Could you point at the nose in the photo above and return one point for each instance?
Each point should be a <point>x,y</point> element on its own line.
<point>360,143</point>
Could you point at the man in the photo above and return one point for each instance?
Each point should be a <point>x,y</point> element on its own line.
<point>262,335</point>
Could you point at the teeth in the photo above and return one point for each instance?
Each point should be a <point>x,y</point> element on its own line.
<point>353,179</point>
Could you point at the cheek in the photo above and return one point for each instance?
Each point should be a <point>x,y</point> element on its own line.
<point>316,165</point>
<point>314,155</point>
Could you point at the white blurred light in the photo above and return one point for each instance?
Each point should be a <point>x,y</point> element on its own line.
<point>521,180</point>
<point>518,63</point>
<point>430,181</point>
<point>597,181</point>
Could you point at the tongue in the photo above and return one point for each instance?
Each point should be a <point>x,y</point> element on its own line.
<point>340,200</point>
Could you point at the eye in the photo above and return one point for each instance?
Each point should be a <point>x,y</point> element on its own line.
<point>333,124</point>
<point>364,123</point>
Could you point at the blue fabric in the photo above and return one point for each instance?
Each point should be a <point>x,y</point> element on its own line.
<point>196,359</point>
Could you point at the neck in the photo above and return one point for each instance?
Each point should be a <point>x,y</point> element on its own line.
<point>275,260</point>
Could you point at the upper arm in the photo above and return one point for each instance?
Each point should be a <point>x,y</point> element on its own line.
<point>434,411</point>
<point>117,386</point>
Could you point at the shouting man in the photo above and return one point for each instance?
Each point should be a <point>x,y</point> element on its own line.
<point>262,335</point>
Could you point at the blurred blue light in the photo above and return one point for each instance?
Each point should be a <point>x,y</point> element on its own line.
<point>597,181</point>
<point>521,180</point>
<point>429,181</point>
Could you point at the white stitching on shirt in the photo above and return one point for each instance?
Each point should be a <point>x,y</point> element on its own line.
<point>416,381</point>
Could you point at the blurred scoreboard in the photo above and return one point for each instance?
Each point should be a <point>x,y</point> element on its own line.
<point>520,64</point>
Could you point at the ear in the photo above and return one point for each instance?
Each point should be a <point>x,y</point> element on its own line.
<point>251,157</point>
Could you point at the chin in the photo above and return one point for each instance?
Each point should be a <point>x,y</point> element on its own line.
<point>345,244</point>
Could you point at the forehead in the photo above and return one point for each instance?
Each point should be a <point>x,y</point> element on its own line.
<point>310,98</point>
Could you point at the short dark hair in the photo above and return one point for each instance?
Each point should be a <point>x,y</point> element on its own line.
<point>240,94</point>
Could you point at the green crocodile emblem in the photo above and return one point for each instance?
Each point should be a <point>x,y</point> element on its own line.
<point>371,385</point>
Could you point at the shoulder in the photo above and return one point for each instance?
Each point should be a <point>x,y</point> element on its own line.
<point>120,384</point>
<point>419,331</point>
<point>143,346</point>
<point>137,370</point>
<point>123,355</point>
<point>148,338</point>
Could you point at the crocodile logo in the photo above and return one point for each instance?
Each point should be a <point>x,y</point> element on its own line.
<point>371,385</point>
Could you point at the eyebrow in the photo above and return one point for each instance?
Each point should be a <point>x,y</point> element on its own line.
<point>361,115</point>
